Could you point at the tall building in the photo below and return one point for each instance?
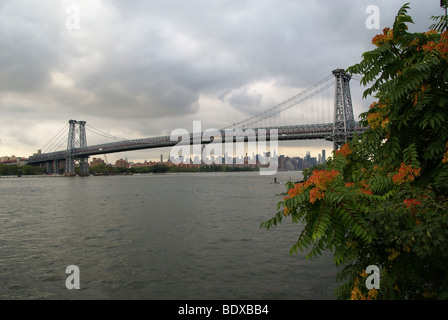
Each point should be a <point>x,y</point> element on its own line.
<point>281,163</point>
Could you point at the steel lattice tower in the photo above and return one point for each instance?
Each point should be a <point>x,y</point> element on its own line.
<point>344,123</point>
<point>76,139</point>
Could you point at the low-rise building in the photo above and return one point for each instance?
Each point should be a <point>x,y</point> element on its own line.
<point>121,163</point>
<point>96,162</point>
<point>13,160</point>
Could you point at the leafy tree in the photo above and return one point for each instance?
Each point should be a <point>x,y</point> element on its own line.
<point>159,168</point>
<point>382,199</point>
<point>100,168</point>
<point>20,170</point>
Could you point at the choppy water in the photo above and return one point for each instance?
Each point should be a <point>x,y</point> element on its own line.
<point>174,236</point>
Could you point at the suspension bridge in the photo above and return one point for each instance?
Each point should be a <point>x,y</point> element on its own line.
<point>72,147</point>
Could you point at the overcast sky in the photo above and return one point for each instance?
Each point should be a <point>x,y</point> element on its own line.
<point>139,68</point>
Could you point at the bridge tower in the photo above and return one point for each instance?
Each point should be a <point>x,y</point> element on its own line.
<point>344,123</point>
<point>76,139</point>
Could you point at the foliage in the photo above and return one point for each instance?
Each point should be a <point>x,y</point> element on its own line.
<point>441,21</point>
<point>106,169</point>
<point>309,171</point>
<point>382,199</point>
<point>6,170</point>
<point>161,168</point>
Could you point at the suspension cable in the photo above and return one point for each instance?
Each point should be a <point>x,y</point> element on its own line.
<point>275,110</point>
<point>50,143</point>
<point>285,104</point>
<point>103,134</point>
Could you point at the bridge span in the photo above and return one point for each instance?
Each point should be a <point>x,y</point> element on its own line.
<point>342,128</point>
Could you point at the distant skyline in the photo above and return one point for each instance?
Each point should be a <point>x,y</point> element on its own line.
<point>163,158</point>
<point>138,69</point>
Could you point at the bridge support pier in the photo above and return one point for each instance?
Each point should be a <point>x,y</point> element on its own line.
<point>76,139</point>
<point>70,166</point>
<point>344,123</point>
<point>56,167</point>
<point>84,167</point>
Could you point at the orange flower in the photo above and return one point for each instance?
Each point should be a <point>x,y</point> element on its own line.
<point>418,94</point>
<point>429,46</point>
<point>373,294</point>
<point>364,187</point>
<point>415,42</point>
<point>296,190</point>
<point>349,184</point>
<point>374,120</point>
<point>445,155</point>
<point>316,194</point>
<point>321,180</point>
<point>406,173</point>
<point>441,46</point>
<point>356,294</point>
<point>377,105</point>
<point>430,32</point>
<point>444,36</point>
<point>380,39</point>
<point>344,150</point>
<point>411,203</point>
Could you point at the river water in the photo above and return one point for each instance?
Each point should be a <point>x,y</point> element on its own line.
<point>170,236</point>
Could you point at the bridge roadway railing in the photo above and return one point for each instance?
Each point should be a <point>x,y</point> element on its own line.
<point>300,132</point>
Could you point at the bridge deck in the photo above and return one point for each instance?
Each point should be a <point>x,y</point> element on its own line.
<point>303,132</point>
